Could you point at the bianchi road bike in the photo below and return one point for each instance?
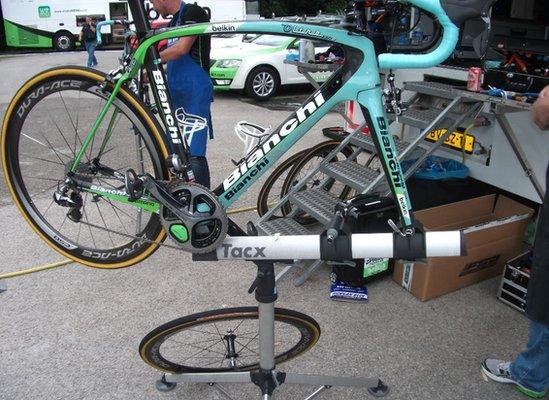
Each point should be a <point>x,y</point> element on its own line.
<point>103,178</point>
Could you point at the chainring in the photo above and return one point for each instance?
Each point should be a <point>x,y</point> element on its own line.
<point>207,225</point>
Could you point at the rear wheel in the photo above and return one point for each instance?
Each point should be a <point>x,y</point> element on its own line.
<point>225,340</point>
<point>44,127</point>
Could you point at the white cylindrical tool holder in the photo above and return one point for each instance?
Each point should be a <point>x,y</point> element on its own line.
<point>307,247</point>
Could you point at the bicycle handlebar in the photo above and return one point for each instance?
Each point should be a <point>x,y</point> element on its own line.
<point>98,29</point>
<point>444,49</point>
<point>109,22</point>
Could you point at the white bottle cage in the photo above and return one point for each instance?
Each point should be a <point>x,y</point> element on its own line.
<point>250,134</point>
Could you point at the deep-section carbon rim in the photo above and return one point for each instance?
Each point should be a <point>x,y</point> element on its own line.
<point>199,342</point>
<point>272,190</point>
<point>45,125</point>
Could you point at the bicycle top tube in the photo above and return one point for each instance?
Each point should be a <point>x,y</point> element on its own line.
<point>444,49</point>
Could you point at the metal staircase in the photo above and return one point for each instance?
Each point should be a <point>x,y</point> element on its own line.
<point>320,203</point>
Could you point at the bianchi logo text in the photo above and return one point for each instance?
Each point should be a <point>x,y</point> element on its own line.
<point>166,108</point>
<point>107,190</point>
<point>257,161</point>
<point>394,167</point>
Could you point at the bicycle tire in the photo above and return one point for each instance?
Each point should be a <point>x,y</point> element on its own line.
<point>298,172</point>
<point>57,93</point>
<point>154,346</point>
<point>271,191</point>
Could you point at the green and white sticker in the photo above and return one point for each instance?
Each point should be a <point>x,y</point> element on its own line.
<point>44,12</point>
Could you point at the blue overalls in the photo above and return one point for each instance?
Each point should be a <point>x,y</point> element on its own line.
<point>191,91</point>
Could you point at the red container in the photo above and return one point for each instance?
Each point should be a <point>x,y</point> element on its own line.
<point>474,79</point>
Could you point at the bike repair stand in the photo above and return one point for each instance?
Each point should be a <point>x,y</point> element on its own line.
<point>267,378</point>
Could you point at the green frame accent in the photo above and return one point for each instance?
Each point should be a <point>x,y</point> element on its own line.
<point>16,34</point>
<point>149,205</point>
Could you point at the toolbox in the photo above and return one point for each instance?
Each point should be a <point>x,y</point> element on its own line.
<point>514,281</point>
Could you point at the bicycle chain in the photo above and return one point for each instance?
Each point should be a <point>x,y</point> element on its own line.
<point>132,236</point>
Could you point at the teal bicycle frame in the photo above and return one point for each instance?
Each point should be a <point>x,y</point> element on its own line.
<point>357,80</point>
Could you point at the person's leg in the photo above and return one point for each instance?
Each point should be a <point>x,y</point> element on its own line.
<point>94,46</point>
<point>90,54</point>
<point>201,170</point>
<point>531,368</point>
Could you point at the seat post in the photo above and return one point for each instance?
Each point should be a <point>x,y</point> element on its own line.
<point>139,15</point>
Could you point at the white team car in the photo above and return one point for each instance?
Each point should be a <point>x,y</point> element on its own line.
<point>257,66</point>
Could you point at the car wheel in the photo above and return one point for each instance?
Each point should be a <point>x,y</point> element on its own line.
<point>262,83</point>
<point>63,41</point>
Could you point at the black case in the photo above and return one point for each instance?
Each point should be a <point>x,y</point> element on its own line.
<point>514,81</point>
<point>368,219</point>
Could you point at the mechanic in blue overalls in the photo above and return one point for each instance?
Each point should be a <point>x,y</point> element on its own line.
<point>189,83</point>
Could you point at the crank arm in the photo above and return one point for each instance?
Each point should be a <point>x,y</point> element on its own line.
<point>159,192</point>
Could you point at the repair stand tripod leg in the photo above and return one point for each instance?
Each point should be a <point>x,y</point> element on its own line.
<point>267,378</point>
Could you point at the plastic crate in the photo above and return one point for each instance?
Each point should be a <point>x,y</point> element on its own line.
<point>514,281</point>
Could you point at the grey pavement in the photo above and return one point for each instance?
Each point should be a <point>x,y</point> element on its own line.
<point>73,332</point>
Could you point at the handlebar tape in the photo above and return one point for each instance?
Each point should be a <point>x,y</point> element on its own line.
<point>444,49</point>
<point>98,29</point>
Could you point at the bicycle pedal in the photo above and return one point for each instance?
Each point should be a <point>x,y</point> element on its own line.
<point>133,185</point>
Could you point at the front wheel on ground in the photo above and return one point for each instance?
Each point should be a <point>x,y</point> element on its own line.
<point>225,340</point>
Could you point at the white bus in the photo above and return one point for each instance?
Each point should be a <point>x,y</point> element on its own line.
<point>57,23</point>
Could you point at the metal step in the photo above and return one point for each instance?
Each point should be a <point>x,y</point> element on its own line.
<point>283,226</point>
<point>431,88</point>
<point>418,117</point>
<point>318,203</point>
<point>351,173</point>
<point>365,141</point>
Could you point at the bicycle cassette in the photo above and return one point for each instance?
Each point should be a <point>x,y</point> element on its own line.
<point>205,226</point>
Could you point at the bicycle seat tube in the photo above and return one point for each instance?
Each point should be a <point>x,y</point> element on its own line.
<point>157,78</point>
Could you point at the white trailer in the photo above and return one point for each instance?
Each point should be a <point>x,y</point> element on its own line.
<point>57,23</point>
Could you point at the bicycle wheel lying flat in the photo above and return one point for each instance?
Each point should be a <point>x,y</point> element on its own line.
<point>44,128</point>
<point>225,340</point>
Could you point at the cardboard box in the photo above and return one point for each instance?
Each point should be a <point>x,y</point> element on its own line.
<point>494,230</point>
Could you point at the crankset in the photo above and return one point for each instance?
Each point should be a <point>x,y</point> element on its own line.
<point>191,214</point>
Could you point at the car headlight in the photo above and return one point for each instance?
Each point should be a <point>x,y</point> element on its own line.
<point>229,63</point>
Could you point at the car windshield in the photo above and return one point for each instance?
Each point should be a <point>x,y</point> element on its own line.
<point>271,40</point>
